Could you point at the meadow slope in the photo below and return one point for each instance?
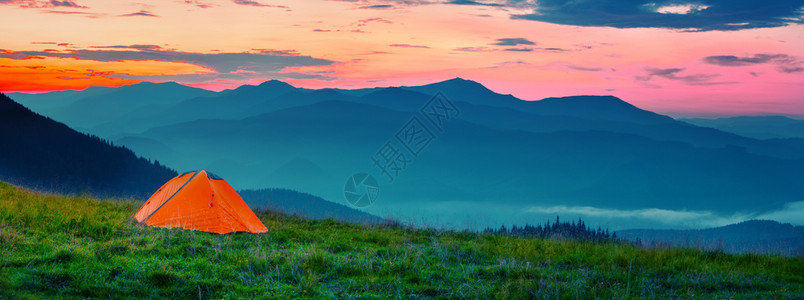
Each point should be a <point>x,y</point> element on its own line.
<point>78,247</point>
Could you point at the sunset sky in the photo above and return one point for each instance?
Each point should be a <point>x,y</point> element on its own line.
<point>684,58</point>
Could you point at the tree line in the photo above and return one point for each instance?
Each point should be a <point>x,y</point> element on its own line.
<point>563,230</point>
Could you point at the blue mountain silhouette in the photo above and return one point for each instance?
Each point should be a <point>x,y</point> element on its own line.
<point>39,153</point>
<point>595,151</point>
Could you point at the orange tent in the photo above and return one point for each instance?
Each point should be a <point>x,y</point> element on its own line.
<point>199,200</point>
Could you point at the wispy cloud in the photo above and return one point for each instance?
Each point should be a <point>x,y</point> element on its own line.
<point>731,60</point>
<point>135,47</point>
<point>784,63</point>
<point>43,3</point>
<point>586,69</point>
<point>377,6</point>
<point>474,49</point>
<point>791,213</point>
<point>66,3</point>
<point>70,12</point>
<point>257,4</point>
<point>408,46</point>
<point>364,22</point>
<point>513,42</point>
<point>141,13</point>
<point>383,4</point>
<point>672,74</point>
<point>470,2</point>
<point>198,3</point>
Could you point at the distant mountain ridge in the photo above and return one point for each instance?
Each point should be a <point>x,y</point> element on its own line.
<point>41,154</point>
<point>354,130</point>
<point>754,236</point>
<point>96,110</point>
<point>303,204</point>
<point>568,113</point>
<point>501,155</point>
<point>760,127</point>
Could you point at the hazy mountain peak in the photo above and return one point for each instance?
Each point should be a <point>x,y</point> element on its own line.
<point>588,98</point>
<point>276,84</point>
<point>393,91</point>
<point>460,82</point>
<point>273,87</point>
<point>153,84</point>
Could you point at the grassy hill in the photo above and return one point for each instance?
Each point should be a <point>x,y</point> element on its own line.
<point>78,247</point>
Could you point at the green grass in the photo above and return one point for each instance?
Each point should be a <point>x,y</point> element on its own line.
<point>78,247</point>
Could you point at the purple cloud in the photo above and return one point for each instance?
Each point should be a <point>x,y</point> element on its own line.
<point>473,49</point>
<point>42,4</point>
<point>518,49</point>
<point>672,74</point>
<point>141,13</point>
<point>136,47</point>
<point>65,3</point>
<point>365,22</point>
<point>257,4</point>
<point>585,69</point>
<point>378,6</point>
<point>470,2</point>
<point>375,4</point>
<point>408,46</point>
<point>513,42</point>
<point>197,3</point>
<point>784,63</point>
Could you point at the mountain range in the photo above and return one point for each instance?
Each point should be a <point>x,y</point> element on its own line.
<point>499,159</point>
<point>759,127</point>
<point>755,236</point>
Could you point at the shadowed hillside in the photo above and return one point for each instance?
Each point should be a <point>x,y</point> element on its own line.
<point>39,153</point>
<point>756,236</point>
<point>302,204</point>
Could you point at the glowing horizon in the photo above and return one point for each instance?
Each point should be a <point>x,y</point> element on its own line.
<point>703,66</point>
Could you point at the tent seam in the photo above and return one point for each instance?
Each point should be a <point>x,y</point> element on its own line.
<point>171,197</point>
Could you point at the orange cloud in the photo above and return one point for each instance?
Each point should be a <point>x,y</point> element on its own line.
<point>38,74</point>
